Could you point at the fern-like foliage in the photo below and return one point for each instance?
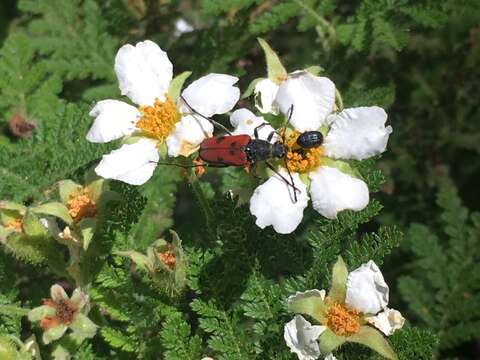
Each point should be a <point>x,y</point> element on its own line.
<point>72,35</point>
<point>445,263</point>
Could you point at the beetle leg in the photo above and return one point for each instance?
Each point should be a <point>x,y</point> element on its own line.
<point>292,184</point>
<point>270,136</point>
<point>255,131</point>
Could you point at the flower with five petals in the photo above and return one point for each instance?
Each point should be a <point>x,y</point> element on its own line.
<point>356,301</point>
<point>162,117</point>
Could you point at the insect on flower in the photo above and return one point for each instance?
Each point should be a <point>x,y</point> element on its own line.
<point>243,150</point>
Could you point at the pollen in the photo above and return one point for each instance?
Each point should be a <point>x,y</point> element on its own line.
<point>159,120</point>
<point>65,311</point>
<point>81,206</point>
<point>15,225</point>
<point>301,160</point>
<point>342,320</point>
<point>168,258</point>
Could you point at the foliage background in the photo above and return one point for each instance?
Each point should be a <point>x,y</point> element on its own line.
<point>418,59</point>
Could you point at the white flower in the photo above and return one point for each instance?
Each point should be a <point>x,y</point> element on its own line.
<point>367,292</point>
<point>355,133</point>
<point>301,337</point>
<point>265,93</point>
<point>355,297</point>
<point>387,321</point>
<point>273,203</point>
<point>145,73</point>
<point>313,98</point>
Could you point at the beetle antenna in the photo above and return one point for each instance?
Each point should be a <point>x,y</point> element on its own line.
<point>289,117</point>
<point>188,166</point>
<point>284,141</point>
<point>291,179</point>
<point>217,124</point>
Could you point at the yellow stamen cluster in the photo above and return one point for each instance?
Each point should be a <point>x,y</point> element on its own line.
<point>81,206</point>
<point>301,160</point>
<point>65,311</point>
<point>168,258</point>
<point>159,120</point>
<point>14,224</point>
<point>342,320</point>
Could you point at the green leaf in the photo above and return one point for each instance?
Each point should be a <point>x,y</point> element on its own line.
<point>12,309</point>
<point>315,69</point>
<point>53,333</point>
<point>96,186</point>
<point>310,303</point>
<point>32,226</point>
<point>55,209</point>
<point>339,281</point>
<point>10,205</point>
<point>83,326</point>
<point>328,341</point>
<point>176,85</point>
<point>139,259</point>
<point>342,166</point>
<point>40,312</point>
<point>251,88</point>
<point>375,340</point>
<point>275,69</point>
<point>87,228</point>
<point>66,188</point>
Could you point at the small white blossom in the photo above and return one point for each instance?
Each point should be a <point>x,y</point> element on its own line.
<point>145,73</point>
<point>365,296</point>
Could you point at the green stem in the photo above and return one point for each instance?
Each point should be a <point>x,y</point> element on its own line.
<point>320,19</point>
<point>202,201</point>
<point>338,99</point>
<point>12,309</point>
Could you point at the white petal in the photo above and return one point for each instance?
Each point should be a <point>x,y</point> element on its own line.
<point>301,337</point>
<point>312,97</point>
<point>212,94</point>
<point>273,203</point>
<point>132,163</point>
<point>387,321</point>
<point>265,93</point>
<point>357,133</point>
<point>329,356</point>
<point>367,291</point>
<point>182,27</point>
<point>333,191</point>
<point>57,293</point>
<point>113,119</point>
<point>144,72</point>
<point>189,132</point>
<point>245,122</point>
<point>307,294</point>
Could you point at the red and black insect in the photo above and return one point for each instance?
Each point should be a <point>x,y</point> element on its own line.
<point>243,150</point>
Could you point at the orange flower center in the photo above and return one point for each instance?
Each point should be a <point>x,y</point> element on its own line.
<point>342,320</point>
<point>168,258</point>
<point>81,206</point>
<point>15,225</point>
<point>65,311</point>
<point>299,159</point>
<point>159,120</point>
